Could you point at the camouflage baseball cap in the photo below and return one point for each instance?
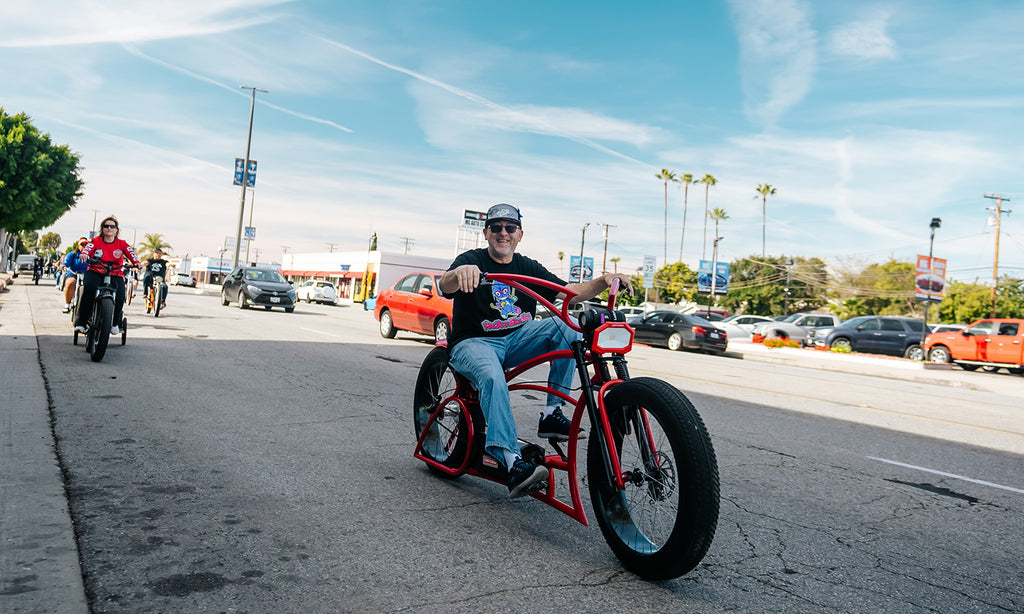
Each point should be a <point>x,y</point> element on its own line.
<point>503,212</point>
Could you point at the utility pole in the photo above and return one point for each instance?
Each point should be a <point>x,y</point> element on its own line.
<point>583,240</point>
<point>935,223</point>
<point>789,276</point>
<point>407,241</point>
<point>604,259</point>
<point>245,175</point>
<point>999,198</point>
<point>330,246</point>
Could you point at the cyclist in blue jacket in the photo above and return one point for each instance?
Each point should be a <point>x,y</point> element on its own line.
<point>74,268</point>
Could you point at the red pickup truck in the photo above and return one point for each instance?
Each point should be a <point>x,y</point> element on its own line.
<point>986,343</point>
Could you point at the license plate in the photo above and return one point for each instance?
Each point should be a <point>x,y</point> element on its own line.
<point>275,299</point>
<point>715,336</point>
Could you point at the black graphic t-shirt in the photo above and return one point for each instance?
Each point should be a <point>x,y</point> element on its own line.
<point>156,266</point>
<point>495,310</point>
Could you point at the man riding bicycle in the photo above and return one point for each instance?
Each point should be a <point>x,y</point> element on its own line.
<point>493,329</point>
<point>74,268</point>
<point>155,266</point>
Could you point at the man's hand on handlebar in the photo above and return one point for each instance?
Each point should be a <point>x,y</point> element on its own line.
<point>467,277</point>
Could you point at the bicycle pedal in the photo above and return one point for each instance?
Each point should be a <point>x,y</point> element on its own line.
<point>531,453</point>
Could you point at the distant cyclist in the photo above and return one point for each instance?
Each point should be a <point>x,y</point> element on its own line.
<point>156,266</point>
<point>111,249</point>
<point>73,269</point>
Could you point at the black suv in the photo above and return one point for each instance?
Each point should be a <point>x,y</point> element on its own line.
<point>254,286</point>
<point>896,335</point>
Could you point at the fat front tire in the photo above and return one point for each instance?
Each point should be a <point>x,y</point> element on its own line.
<point>447,442</point>
<point>156,303</point>
<point>675,342</point>
<point>387,327</point>
<point>104,320</point>
<point>662,524</point>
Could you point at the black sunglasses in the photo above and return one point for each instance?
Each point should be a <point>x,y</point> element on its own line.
<point>509,228</point>
<point>109,226</point>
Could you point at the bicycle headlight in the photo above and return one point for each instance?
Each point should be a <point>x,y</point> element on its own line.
<point>614,337</point>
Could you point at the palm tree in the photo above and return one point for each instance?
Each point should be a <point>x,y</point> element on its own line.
<point>561,256</point>
<point>708,181</point>
<point>686,179</point>
<point>665,176</point>
<point>151,243</point>
<point>765,190</point>
<point>615,263</point>
<point>718,215</point>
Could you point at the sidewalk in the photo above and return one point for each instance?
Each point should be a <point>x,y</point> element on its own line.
<point>39,565</point>
<point>881,366</point>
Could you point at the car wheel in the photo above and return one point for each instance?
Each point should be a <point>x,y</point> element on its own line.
<point>841,343</point>
<point>777,334</point>
<point>990,369</point>
<point>939,353</point>
<point>969,367</point>
<point>387,328</point>
<point>441,328</point>
<point>224,299</point>
<point>289,309</point>
<point>242,302</point>
<point>267,307</point>
<point>914,352</point>
<point>675,342</point>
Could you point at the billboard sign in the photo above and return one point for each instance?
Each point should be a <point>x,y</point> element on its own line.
<point>721,279</point>
<point>574,269</point>
<point>930,279</point>
<point>474,219</point>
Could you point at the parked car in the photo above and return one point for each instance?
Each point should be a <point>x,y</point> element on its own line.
<point>316,290</point>
<point>630,311</point>
<point>184,279</point>
<point>795,326</point>
<point>739,326</point>
<point>414,304</point>
<point>985,343</point>
<point>258,287</point>
<point>896,335</point>
<point>24,262</point>
<point>678,331</point>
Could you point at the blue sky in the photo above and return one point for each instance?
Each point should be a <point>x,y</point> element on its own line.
<point>869,118</point>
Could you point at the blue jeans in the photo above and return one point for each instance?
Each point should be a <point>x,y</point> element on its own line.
<point>483,360</point>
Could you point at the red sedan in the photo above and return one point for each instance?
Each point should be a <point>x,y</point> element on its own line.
<point>414,304</point>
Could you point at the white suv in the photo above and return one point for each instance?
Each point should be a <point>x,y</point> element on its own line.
<point>316,290</point>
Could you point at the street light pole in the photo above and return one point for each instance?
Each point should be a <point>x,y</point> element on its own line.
<point>714,273</point>
<point>789,273</point>
<point>936,223</point>
<point>245,175</point>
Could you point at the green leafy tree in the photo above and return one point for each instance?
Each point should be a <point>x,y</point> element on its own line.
<point>39,181</point>
<point>151,243</point>
<point>708,181</point>
<point>764,191</point>
<point>675,283</point>
<point>966,302</point>
<point>50,241</point>
<point>666,176</point>
<point>758,285</point>
<point>879,289</point>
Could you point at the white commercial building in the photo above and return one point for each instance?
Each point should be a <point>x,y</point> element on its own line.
<point>356,273</point>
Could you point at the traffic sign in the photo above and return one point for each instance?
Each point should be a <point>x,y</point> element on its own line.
<point>650,263</point>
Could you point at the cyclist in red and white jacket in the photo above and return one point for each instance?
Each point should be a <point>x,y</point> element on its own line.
<point>109,248</point>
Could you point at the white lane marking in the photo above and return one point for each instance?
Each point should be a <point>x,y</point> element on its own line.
<point>320,332</point>
<point>948,475</point>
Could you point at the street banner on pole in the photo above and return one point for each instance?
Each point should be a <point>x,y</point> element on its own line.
<point>721,282</point>
<point>250,177</point>
<point>930,283</point>
<point>574,268</point>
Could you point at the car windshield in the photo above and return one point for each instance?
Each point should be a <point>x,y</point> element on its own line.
<point>265,275</point>
<point>854,322</point>
<point>789,318</point>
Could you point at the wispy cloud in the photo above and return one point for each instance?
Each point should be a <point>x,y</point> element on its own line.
<point>214,82</point>
<point>865,39</point>
<point>48,23</point>
<point>778,55</point>
<point>536,120</point>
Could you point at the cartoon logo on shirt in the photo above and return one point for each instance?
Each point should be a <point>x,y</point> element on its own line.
<point>505,303</point>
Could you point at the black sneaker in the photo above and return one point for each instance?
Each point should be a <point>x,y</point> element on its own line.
<point>556,426</point>
<point>525,477</point>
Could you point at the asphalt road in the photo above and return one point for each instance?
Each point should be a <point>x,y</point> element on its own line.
<point>253,461</point>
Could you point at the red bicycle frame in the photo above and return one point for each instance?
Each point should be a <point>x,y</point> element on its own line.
<point>603,337</point>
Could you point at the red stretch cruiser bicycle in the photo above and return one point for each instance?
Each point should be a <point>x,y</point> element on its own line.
<point>651,468</point>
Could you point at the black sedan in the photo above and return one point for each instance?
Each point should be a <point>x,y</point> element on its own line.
<point>678,331</point>
<point>254,286</point>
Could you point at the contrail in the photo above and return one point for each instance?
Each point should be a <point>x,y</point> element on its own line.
<point>477,99</point>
